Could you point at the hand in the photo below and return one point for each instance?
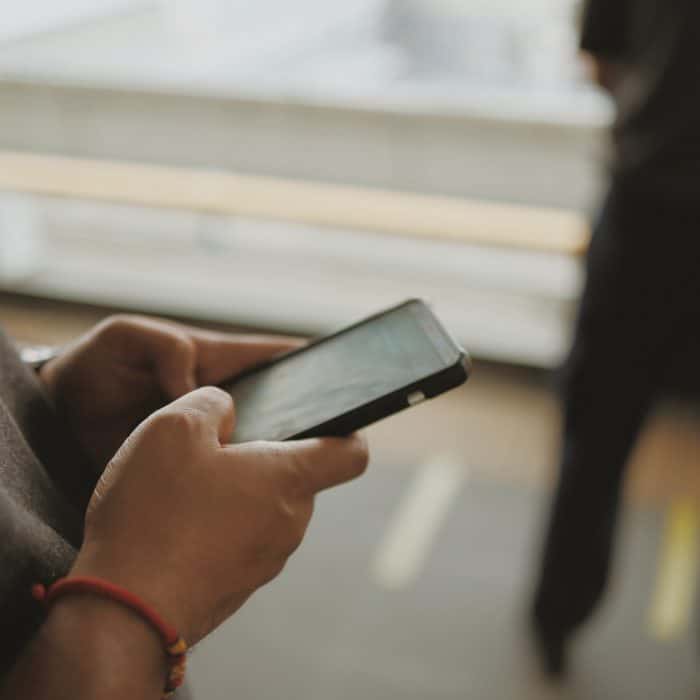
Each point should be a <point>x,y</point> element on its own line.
<point>194,526</point>
<point>129,366</point>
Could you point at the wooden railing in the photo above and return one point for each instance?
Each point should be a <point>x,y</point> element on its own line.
<point>402,214</point>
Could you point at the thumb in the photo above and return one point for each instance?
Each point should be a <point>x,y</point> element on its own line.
<point>213,406</point>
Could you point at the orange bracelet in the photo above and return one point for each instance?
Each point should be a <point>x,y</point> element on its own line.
<point>175,646</point>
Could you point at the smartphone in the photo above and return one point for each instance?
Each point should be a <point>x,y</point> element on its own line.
<point>345,381</point>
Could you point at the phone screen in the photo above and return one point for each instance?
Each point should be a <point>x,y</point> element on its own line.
<point>309,387</point>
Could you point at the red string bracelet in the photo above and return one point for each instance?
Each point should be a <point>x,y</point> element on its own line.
<point>174,645</point>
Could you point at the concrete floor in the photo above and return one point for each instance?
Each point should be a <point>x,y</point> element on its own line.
<point>326,630</point>
<point>337,626</point>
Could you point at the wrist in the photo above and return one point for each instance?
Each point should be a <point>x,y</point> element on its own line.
<point>115,633</point>
<point>140,579</point>
<point>88,648</point>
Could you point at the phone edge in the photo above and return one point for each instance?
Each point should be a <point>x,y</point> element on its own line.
<point>367,414</point>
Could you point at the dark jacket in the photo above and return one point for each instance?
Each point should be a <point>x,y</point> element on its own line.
<point>656,45</point>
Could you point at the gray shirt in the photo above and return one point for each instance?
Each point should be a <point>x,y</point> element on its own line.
<point>45,483</point>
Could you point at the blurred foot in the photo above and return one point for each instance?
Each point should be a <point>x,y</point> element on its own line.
<point>551,650</point>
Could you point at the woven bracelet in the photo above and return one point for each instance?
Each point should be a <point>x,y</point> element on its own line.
<point>174,645</point>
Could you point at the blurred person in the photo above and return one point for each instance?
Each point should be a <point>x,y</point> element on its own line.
<point>639,318</point>
<point>114,465</point>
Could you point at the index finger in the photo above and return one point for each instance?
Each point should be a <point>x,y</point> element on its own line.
<point>221,357</point>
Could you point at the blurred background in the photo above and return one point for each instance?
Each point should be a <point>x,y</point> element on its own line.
<point>294,165</point>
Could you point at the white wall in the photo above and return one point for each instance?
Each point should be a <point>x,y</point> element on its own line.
<point>23,19</point>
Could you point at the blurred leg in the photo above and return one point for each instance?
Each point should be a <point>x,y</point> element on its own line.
<point>606,399</point>
<point>611,377</point>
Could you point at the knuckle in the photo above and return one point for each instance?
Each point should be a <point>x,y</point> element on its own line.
<point>117,324</point>
<point>214,393</point>
<point>116,330</point>
<point>213,399</point>
<point>177,421</point>
<point>182,344</point>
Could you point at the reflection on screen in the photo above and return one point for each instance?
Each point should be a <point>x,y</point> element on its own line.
<point>338,375</point>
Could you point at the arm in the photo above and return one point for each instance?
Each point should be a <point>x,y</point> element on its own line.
<point>154,527</point>
<point>604,40</point>
<point>89,648</point>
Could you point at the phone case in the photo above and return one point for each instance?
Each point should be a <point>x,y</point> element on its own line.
<point>448,378</point>
<point>390,404</point>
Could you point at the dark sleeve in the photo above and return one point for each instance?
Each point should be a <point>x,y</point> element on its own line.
<point>604,28</point>
<point>44,429</point>
<point>30,552</point>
